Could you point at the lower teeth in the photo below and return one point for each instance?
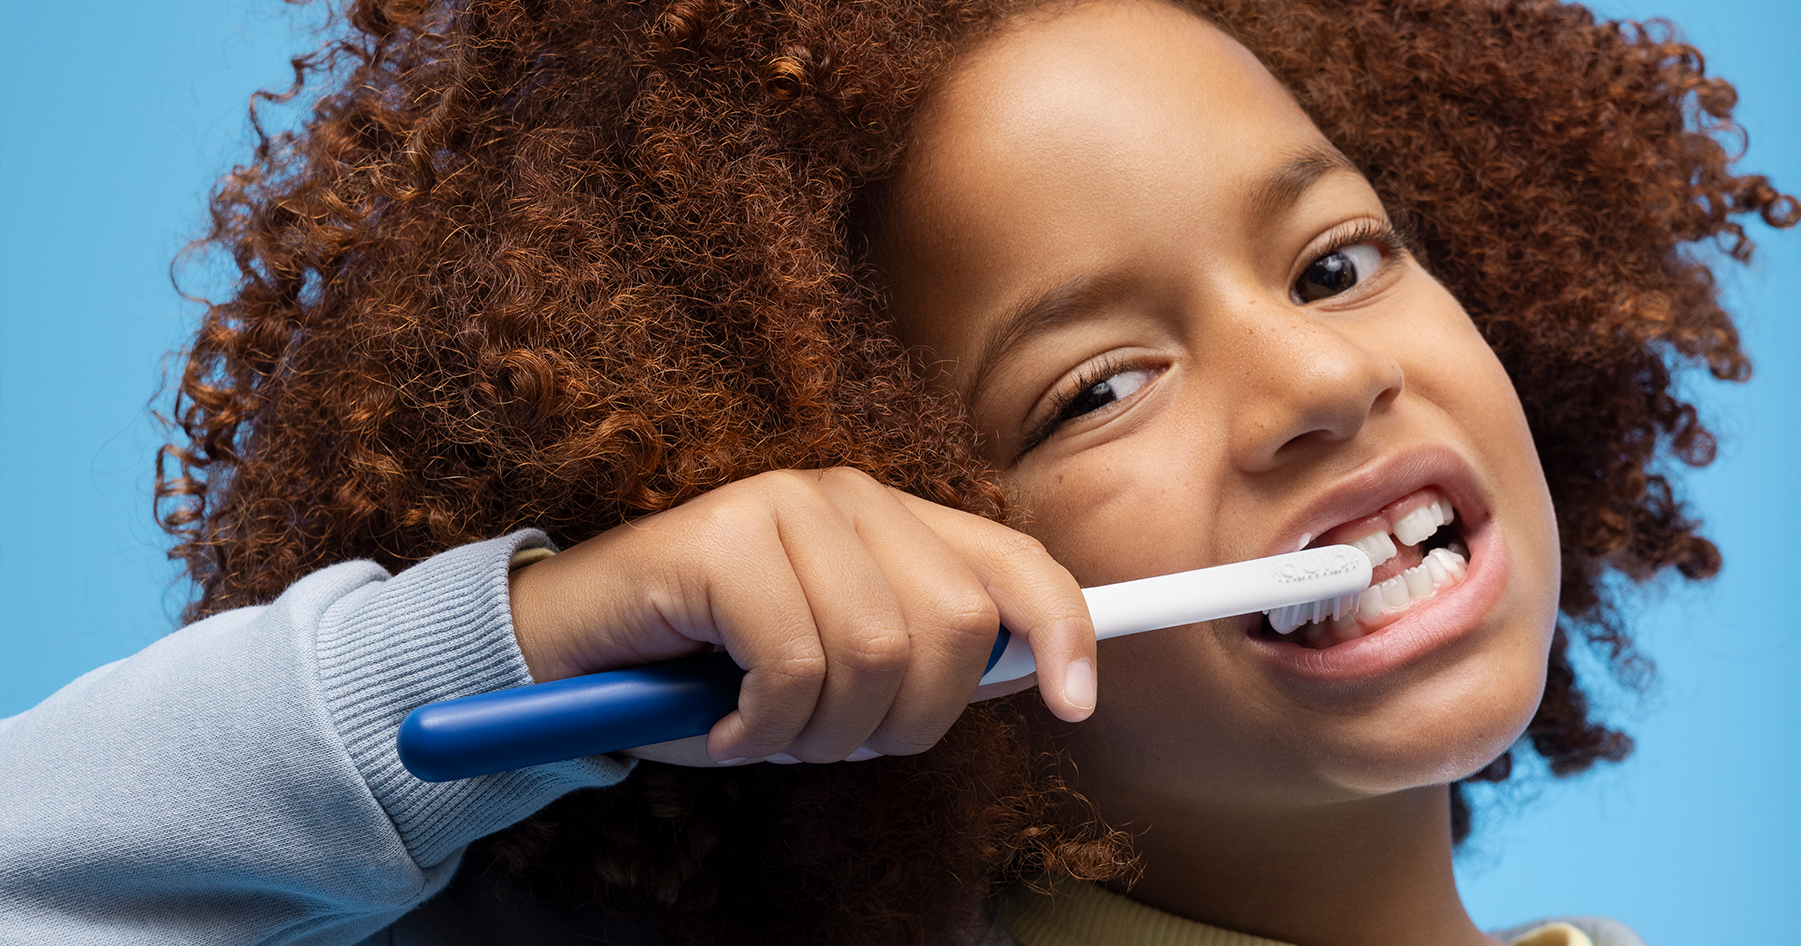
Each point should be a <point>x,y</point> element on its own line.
<point>1438,570</point>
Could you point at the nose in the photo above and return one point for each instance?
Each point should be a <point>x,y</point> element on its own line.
<point>1302,382</point>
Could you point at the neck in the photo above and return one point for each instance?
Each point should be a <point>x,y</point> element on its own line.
<point>1359,873</point>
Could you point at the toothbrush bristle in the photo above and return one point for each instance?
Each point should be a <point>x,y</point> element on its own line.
<point>1286,619</point>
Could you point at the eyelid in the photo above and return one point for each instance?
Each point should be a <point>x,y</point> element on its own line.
<point>1363,230</point>
<point>1064,395</point>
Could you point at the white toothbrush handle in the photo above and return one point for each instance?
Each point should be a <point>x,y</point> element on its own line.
<point>1146,604</point>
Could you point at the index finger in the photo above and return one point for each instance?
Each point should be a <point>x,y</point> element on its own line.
<point>1038,600</point>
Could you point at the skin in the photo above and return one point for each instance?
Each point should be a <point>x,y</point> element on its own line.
<point>1120,147</point>
<point>864,615</point>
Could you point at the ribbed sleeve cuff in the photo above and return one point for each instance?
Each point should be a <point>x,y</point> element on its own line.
<point>437,631</point>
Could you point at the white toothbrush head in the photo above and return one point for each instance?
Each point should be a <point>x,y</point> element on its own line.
<point>1311,581</point>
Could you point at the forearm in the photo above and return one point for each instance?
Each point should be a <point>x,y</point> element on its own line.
<point>237,781</point>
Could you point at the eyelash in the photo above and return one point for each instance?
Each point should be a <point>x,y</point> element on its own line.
<point>1061,401</point>
<point>1398,240</point>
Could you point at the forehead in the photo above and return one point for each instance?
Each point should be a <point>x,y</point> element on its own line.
<point>1099,66</point>
<point>1117,108</point>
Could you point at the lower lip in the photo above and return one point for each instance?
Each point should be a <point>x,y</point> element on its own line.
<point>1425,627</point>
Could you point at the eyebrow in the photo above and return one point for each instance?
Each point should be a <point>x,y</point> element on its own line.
<point>1087,294</point>
<point>1279,190</point>
<point>1045,311</point>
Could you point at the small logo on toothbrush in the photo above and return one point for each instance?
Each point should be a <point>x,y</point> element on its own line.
<point>1316,563</point>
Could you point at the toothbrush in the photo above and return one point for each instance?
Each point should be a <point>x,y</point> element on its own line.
<point>675,699</point>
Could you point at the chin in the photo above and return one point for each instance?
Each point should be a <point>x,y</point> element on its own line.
<point>1448,732</point>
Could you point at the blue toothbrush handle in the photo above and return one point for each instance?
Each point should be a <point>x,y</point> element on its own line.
<point>578,716</point>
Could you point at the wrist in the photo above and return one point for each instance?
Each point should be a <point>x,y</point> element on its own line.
<point>526,621</point>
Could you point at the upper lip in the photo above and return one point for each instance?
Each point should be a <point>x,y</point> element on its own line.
<point>1365,490</point>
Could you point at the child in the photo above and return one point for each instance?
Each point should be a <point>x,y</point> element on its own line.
<point>764,316</point>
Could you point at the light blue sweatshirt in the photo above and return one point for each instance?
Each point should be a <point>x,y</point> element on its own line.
<point>236,782</point>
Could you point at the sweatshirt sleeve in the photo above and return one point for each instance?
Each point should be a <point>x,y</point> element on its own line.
<point>237,781</point>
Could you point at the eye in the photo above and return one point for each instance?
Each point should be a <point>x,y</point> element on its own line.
<point>1338,271</point>
<point>1100,390</point>
<point>1096,388</point>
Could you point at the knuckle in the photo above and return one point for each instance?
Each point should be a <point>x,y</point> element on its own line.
<point>728,518</point>
<point>786,488</point>
<point>795,490</point>
<point>774,479</point>
<point>971,612</point>
<point>849,484</point>
<point>797,669</point>
<point>877,647</point>
<point>1019,546</point>
<point>1068,618</point>
<point>845,476</point>
<point>1072,611</point>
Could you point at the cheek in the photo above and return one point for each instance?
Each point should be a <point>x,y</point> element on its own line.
<point>1476,392</point>
<point>1448,365</point>
<point>1178,718</point>
<point>1491,697</point>
<point>1125,510</point>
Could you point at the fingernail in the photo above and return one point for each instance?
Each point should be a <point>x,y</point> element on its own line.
<point>1078,685</point>
<point>782,758</point>
<point>733,761</point>
<point>863,754</point>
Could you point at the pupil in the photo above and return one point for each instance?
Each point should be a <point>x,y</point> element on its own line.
<point>1092,399</point>
<point>1328,276</point>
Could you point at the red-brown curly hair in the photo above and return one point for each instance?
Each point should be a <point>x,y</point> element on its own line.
<point>559,264</point>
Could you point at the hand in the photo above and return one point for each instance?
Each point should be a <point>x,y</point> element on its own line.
<point>863,615</point>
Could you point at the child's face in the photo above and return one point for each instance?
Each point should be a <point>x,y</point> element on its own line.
<point>1117,232</point>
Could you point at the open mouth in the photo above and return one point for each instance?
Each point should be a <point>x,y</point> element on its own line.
<point>1417,547</point>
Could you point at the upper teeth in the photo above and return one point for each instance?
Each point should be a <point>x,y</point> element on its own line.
<point>1378,546</point>
<point>1438,569</point>
<point>1416,526</point>
<point>1412,529</point>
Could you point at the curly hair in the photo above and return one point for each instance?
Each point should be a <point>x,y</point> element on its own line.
<point>564,264</point>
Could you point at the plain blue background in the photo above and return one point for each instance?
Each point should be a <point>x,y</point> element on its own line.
<point>108,141</point>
